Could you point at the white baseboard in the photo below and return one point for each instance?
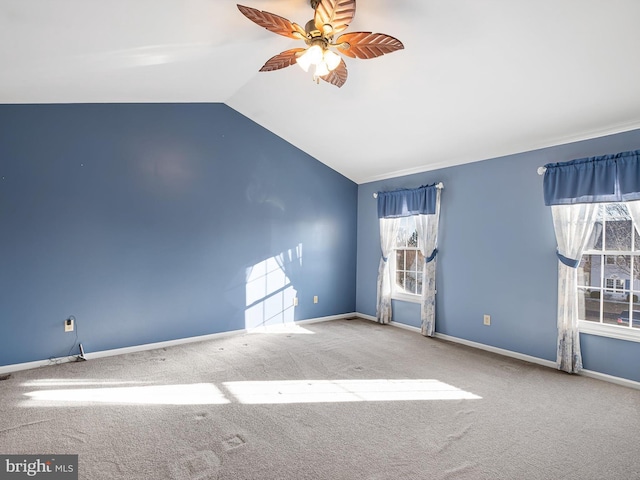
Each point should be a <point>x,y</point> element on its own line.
<point>611,379</point>
<point>153,346</point>
<point>37,364</point>
<point>342,316</point>
<point>499,351</point>
<point>509,353</point>
<point>366,317</point>
<point>411,328</point>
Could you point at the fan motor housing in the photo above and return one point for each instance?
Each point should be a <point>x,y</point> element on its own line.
<point>315,36</point>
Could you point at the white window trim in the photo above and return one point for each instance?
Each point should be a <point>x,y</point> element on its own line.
<point>611,331</point>
<point>406,297</point>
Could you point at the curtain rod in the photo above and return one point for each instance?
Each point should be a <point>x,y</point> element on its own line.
<point>439,186</point>
<point>541,170</point>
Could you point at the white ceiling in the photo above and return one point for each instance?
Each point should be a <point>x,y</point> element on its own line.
<point>477,78</point>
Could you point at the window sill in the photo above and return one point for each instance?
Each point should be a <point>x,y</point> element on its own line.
<point>406,297</point>
<point>611,331</point>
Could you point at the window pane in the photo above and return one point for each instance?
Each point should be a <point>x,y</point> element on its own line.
<point>399,259</point>
<point>629,315</point>
<point>588,307</point>
<point>616,211</point>
<point>613,307</point>
<point>609,272</point>
<point>595,243</point>
<point>411,260</point>
<point>618,235</point>
<point>589,271</point>
<point>635,278</point>
<point>411,282</point>
<point>617,272</point>
<point>634,297</point>
<point>584,271</point>
<point>400,279</point>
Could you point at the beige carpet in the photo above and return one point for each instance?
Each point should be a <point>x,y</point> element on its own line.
<point>346,399</point>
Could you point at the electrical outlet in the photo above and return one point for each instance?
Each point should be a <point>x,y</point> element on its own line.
<point>487,320</point>
<point>315,299</point>
<point>68,325</point>
<point>295,301</point>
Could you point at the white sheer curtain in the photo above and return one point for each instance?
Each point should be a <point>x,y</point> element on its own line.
<point>427,228</point>
<point>573,225</point>
<point>388,232</point>
<point>634,211</point>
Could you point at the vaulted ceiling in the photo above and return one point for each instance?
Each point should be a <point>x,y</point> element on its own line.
<point>476,80</point>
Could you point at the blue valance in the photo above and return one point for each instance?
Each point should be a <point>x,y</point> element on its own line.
<point>609,178</point>
<point>407,202</point>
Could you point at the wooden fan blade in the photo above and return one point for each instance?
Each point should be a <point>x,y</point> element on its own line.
<point>272,22</point>
<point>338,76</point>
<point>337,13</point>
<point>281,60</point>
<point>368,45</point>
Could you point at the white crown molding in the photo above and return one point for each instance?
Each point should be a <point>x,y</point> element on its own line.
<point>548,143</point>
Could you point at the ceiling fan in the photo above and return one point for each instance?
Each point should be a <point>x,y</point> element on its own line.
<point>331,17</point>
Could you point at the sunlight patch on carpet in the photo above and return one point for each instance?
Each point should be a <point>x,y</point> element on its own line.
<point>256,392</point>
<point>289,328</point>
<point>194,394</point>
<point>327,391</point>
<point>80,382</point>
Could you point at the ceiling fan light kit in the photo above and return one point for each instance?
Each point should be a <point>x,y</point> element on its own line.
<point>330,18</point>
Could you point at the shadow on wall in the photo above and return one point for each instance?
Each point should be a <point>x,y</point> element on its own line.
<point>270,292</point>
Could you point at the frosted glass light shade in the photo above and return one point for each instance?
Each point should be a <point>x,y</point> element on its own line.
<point>332,59</point>
<point>322,69</point>
<point>312,56</point>
<point>304,61</point>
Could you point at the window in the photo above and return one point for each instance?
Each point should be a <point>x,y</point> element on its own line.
<point>408,262</point>
<point>614,285</point>
<point>609,273</point>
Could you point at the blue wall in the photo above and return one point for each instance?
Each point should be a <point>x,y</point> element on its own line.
<point>496,256</point>
<point>144,221</point>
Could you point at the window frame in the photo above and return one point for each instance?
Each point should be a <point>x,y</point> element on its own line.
<point>397,293</point>
<point>622,332</point>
